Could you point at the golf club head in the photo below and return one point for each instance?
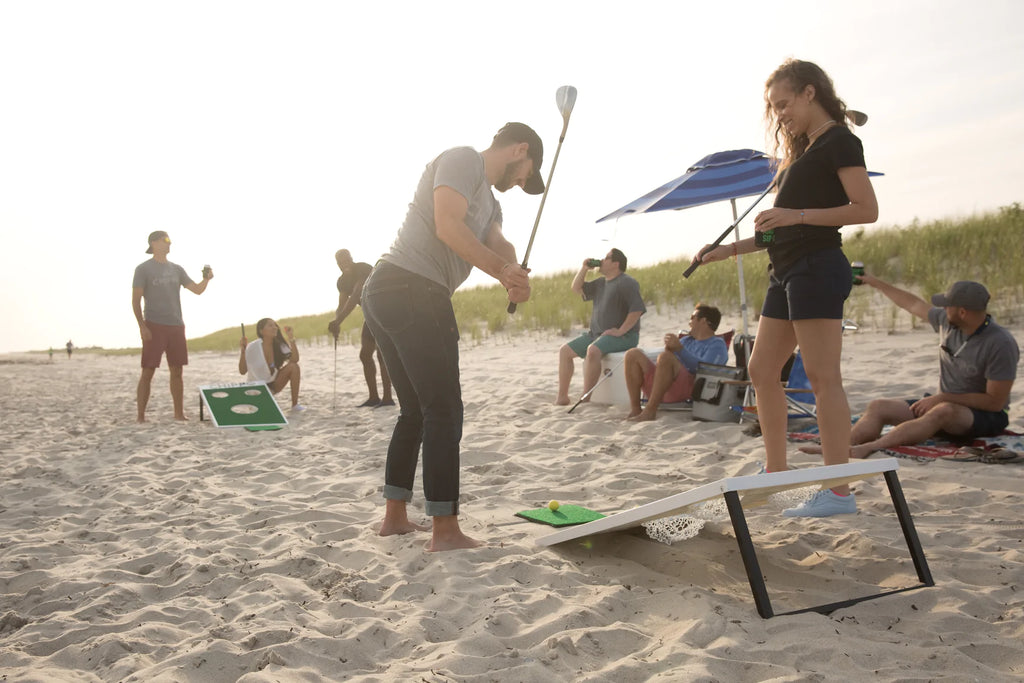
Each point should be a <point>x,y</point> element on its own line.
<point>565,98</point>
<point>857,118</point>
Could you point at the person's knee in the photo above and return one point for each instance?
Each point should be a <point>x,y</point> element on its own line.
<point>666,358</point>
<point>594,353</point>
<point>176,371</point>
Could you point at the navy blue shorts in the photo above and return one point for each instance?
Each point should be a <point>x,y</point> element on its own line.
<point>814,287</point>
<point>986,422</point>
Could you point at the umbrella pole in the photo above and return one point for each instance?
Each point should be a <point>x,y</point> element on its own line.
<point>748,394</point>
<point>739,264</point>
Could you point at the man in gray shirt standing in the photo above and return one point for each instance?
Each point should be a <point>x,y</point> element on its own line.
<point>161,327</point>
<point>614,325</point>
<point>453,224</point>
<point>977,367</point>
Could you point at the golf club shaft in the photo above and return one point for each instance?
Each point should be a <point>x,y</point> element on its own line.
<point>693,266</point>
<point>608,374</point>
<point>540,209</point>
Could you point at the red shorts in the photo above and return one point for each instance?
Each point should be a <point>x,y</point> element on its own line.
<point>166,338</point>
<point>680,390</point>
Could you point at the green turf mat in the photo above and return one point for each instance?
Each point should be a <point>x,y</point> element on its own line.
<point>565,515</point>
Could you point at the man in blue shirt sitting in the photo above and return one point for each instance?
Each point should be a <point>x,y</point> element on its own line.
<point>670,380</point>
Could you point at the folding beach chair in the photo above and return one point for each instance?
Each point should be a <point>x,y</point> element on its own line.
<point>799,397</point>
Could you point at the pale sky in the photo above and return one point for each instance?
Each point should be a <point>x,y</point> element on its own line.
<point>264,136</point>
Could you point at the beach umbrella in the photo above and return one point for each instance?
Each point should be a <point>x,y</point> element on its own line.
<point>723,175</point>
<point>728,175</point>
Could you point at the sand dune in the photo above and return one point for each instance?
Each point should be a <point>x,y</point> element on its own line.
<point>181,552</point>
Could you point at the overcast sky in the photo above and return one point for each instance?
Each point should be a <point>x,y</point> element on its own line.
<point>265,136</point>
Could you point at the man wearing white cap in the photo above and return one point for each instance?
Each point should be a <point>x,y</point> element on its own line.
<point>977,366</point>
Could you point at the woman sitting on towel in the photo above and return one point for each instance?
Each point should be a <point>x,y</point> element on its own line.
<point>271,359</point>
<point>822,184</point>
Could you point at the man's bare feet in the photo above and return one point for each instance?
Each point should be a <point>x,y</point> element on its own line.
<point>396,520</point>
<point>407,527</point>
<point>860,451</point>
<point>448,536</point>
<point>633,413</point>
<point>562,401</point>
<point>643,416</point>
<point>181,418</point>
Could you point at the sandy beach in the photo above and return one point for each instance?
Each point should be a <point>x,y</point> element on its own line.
<point>183,552</point>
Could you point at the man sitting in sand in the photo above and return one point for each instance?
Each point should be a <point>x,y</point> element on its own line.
<point>614,325</point>
<point>977,366</point>
<point>671,378</point>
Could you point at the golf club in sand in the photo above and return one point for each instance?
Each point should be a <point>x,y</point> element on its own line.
<point>565,98</point>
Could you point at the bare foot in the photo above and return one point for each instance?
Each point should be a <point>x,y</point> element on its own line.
<point>448,536</point>
<point>633,413</point>
<point>140,419</point>
<point>388,528</point>
<point>644,416</point>
<point>861,451</point>
<point>396,520</point>
<point>562,401</point>
<point>181,418</point>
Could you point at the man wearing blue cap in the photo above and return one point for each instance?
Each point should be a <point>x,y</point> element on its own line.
<point>977,367</point>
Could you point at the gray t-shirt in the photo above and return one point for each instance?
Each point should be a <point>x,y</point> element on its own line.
<point>417,247</point>
<point>613,301</point>
<point>161,285</point>
<point>989,354</point>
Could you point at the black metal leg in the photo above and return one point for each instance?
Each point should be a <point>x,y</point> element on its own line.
<point>739,525</point>
<point>909,531</point>
<point>200,407</point>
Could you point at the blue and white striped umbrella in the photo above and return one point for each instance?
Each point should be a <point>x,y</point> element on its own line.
<point>716,177</point>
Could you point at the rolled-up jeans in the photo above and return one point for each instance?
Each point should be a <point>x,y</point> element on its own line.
<point>412,320</point>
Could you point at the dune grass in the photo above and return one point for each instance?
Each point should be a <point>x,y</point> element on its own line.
<point>922,257</point>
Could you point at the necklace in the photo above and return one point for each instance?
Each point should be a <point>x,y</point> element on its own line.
<point>811,135</point>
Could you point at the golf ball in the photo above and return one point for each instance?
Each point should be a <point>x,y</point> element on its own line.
<point>553,505</point>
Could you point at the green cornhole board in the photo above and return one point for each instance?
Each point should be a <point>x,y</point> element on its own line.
<point>248,404</point>
<point>565,515</point>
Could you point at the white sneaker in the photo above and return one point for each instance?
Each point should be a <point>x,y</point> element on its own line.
<point>824,503</point>
<point>298,408</point>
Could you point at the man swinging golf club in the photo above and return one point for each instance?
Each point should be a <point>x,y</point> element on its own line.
<point>453,224</point>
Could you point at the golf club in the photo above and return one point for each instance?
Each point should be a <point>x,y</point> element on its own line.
<point>693,266</point>
<point>857,118</point>
<point>565,98</point>
<point>334,392</point>
<point>607,373</point>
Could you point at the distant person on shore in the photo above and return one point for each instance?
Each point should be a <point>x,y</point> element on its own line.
<point>70,347</point>
<point>977,368</point>
<point>822,184</point>
<point>271,359</point>
<point>350,290</point>
<point>453,224</point>
<point>614,324</point>
<point>161,327</point>
<point>671,378</point>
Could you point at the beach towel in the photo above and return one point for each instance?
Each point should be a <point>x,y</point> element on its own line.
<point>1004,448</point>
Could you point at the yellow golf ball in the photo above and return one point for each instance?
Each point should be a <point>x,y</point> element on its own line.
<point>553,505</point>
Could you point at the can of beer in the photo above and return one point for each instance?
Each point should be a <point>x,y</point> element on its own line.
<point>764,238</point>
<point>207,272</point>
<point>593,263</point>
<point>858,269</point>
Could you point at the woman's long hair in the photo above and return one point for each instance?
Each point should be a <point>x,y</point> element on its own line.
<point>784,146</point>
<point>279,345</point>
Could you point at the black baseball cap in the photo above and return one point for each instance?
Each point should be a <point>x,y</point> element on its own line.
<point>513,132</point>
<point>154,237</point>
<point>964,294</point>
